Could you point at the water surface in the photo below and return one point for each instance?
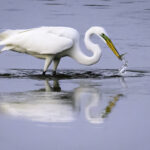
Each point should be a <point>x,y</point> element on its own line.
<point>82,107</point>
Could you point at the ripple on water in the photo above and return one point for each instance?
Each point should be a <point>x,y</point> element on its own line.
<point>73,74</point>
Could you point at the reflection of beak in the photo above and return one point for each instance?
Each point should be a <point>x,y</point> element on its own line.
<point>111,46</point>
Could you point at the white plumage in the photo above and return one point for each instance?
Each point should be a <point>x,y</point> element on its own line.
<point>52,43</point>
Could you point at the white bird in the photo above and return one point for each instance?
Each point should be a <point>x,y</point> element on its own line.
<point>53,43</point>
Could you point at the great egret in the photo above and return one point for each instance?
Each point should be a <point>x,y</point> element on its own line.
<point>52,43</point>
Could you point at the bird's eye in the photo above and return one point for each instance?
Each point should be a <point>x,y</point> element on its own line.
<point>103,35</point>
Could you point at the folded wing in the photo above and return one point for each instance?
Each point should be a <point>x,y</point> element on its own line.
<point>39,42</point>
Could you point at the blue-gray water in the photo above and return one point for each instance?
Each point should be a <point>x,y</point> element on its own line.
<point>82,107</point>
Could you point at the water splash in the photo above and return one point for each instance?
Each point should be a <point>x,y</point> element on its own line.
<point>123,68</point>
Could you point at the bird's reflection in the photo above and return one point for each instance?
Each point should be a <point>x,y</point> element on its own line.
<point>94,113</point>
<point>52,104</point>
<point>55,88</point>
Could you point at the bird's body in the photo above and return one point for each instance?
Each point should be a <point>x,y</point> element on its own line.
<point>53,43</point>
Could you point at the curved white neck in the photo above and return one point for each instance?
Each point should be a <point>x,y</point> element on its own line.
<point>83,58</point>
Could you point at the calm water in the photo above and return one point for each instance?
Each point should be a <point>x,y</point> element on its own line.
<point>82,107</point>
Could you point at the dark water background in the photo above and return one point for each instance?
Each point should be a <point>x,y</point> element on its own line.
<point>82,107</point>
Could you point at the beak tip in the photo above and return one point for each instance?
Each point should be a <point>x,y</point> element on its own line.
<point>121,56</point>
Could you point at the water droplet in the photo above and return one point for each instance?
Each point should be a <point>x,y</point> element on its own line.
<point>123,68</point>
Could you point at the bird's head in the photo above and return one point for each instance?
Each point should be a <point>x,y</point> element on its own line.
<point>104,36</point>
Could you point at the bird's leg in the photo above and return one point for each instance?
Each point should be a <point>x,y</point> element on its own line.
<point>56,62</point>
<point>54,73</point>
<point>43,73</point>
<point>48,61</point>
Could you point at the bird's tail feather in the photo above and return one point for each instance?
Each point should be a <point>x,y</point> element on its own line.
<point>6,48</point>
<point>5,34</point>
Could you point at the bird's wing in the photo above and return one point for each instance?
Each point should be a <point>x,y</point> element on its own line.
<point>40,42</point>
<point>7,33</point>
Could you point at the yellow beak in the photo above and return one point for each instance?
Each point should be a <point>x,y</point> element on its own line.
<point>111,46</point>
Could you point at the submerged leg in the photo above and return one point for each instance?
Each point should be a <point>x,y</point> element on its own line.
<point>48,61</point>
<point>56,62</point>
